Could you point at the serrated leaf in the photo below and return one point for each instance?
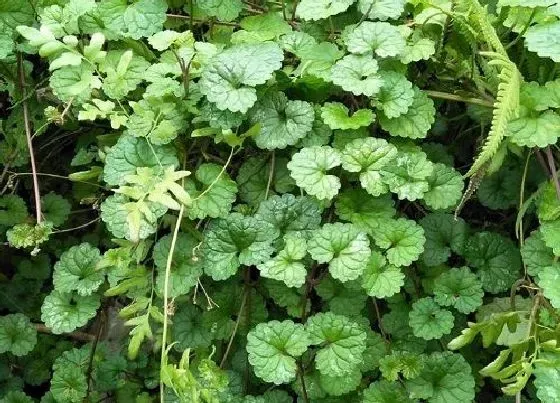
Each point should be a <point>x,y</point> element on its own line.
<point>223,10</point>
<point>444,234</point>
<point>381,38</point>
<point>544,40</point>
<point>335,115</point>
<point>445,187</point>
<point>363,210</point>
<point>289,213</point>
<point>395,96</point>
<point>386,392</point>
<point>357,74</point>
<point>460,289</point>
<point>549,281</point>
<point>381,9</point>
<point>408,174</point>
<point>403,241</point>
<point>76,270</point>
<point>415,122</point>
<point>17,335</point>
<point>320,9</point>
<point>13,210</point>
<point>286,266</point>
<point>272,347</point>
<point>64,312</point>
<point>380,279</point>
<point>55,208</point>
<point>533,129</point>
<point>428,320</point>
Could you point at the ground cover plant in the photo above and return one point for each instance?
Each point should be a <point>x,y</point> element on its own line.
<point>256,201</point>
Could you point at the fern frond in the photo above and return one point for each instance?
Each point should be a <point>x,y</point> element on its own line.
<point>506,108</point>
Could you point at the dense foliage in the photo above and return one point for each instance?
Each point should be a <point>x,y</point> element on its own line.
<point>276,201</point>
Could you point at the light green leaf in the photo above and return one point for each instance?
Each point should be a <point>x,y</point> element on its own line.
<point>64,312</point>
<point>335,115</point>
<point>229,78</point>
<point>69,385</point>
<point>363,210</point>
<point>533,129</point>
<point>386,392</point>
<point>283,122</point>
<point>460,289</point>
<point>342,384</point>
<point>289,213</point>
<point>381,280</point>
<point>381,9</point>
<point>74,83</point>
<point>544,40</point>
<point>272,348</point>
<point>320,9</point>
<point>428,320</point>
<point>124,71</point>
<point>143,18</point>
<point>446,187</point>
<point>381,38</point>
<point>536,255</point>
<point>402,239</point>
<point>286,266</point>
<point>76,270</point>
<point>549,281</point>
<point>343,342</point>
<point>223,10</point>
<point>547,379</point>
<point>309,169</point>
<point>357,74</point>
<point>408,174</point>
<point>395,96</point>
<point>344,247</point>
<point>416,122</point>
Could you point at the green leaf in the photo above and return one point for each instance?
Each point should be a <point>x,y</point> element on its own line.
<point>408,175</point>
<point>544,40</point>
<point>76,270</point>
<point>157,121</point>
<point>143,18</point>
<point>74,83</point>
<point>19,12</point>
<point>357,74</point>
<point>309,169</point>
<point>223,10</point>
<point>549,281</point>
<point>16,396</point>
<point>13,210</point>
<point>536,255</point>
<point>395,96</point>
<point>342,298</point>
<point>320,9</point>
<point>428,320</point>
<point>551,236</point>
<point>55,208</point>
<point>340,385</point>
<point>460,289</point>
<point>496,258</point>
<point>445,378</point>
<point>131,153</point>
<point>403,241</point>
<point>343,343</point>
<point>415,122</point>
<point>533,129</point>
<point>401,362</point>
<point>386,392</point>
<point>188,328</point>
<point>417,48</point>
<point>186,267</point>
<point>381,280</point>
<point>368,156</point>
<point>215,197</point>
<point>364,211</point>
<point>335,115</point>
<point>17,335</point>
<point>25,235</point>
<point>219,119</point>
<point>65,312</point>
<point>548,204</point>
<point>283,122</point>
<point>286,266</point>
<point>500,190</point>
<point>229,78</point>
<point>289,213</point>
<point>344,247</point>
<point>547,378</point>
<point>381,38</point>
<point>124,71</point>
<point>446,187</point>
<point>272,348</point>
<point>444,234</point>
<point>234,241</point>
<point>68,385</point>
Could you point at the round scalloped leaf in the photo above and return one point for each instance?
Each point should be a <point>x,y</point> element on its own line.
<point>309,169</point>
<point>381,280</point>
<point>282,122</point>
<point>445,188</point>
<point>272,348</point>
<point>499,190</point>
<point>395,96</point>
<point>544,40</point>
<point>335,115</point>
<point>133,152</point>
<point>496,258</point>
<point>311,10</point>
<point>76,270</point>
<point>550,231</point>
<point>381,9</point>
<point>227,10</point>
<point>386,392</point>
<point>13,210</point>
<point>229,78</point>
<point>68,385</point>
<point>548,204</point>
<point>55,208</point>
<point>188,328</point>
<point>17,335</point>
<point>342,340</point>
<point>533,129</point>
<point>340,385</point>
<point>186,267</point>
<point>428,320</point>
<point>444,234</point>
<point>415,122</point>
<point>403,241</point>
<point>234,241</point>
<point>445,378</point>
<point>65,312</point>
<point>343,247</point>
<point>536,255</point>
<point>547,379</point>
<point>357,74</point>
<point>290,213</point>
<point>286,266</point>
<point>216,195</point>
<point>16,396</point>
<point>549,281</point>
<point>381,38</point>
<point>459,288</point>
<point>408,175</point>
<point>363,210</point>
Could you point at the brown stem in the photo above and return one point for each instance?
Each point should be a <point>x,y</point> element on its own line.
<point>234,332</point>
<point>294,11</point>
<point>552,167</point>
<point>80,336</point>
<point>28,135</point>
<point>378,314</point>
